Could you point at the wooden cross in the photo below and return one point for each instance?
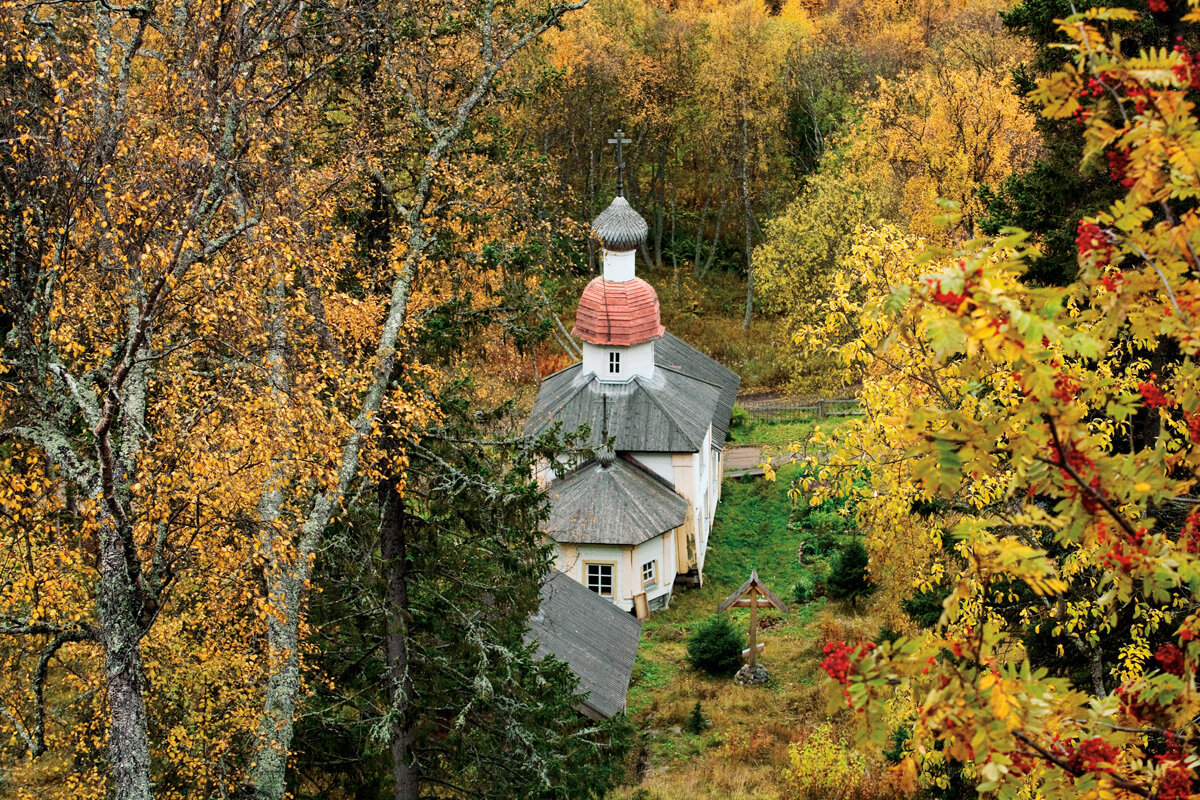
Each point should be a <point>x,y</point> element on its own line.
<point>748,597</point>
<point>619,139</point>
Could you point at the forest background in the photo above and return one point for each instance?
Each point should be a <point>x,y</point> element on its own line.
<point>279,278</point>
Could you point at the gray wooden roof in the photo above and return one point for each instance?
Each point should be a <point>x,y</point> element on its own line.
<point>619,228</point>
<point>620,504</point>
<point>595,638</point>
<point>668,413</point>
<point>674,353</point>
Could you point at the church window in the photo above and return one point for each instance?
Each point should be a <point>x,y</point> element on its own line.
<point>614,363</point>
<point>600,579</point>
<point>650,575</point>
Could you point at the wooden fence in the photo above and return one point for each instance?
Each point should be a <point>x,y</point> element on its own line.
<point>793,411</point>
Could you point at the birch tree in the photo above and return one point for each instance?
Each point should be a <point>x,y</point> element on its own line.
<point>139,138</point>
<point>740,87</point>
<point>420,92</point>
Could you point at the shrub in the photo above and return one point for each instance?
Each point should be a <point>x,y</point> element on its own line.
<point>748,747</point>
<point>828,522</point>
<point>804,591</point>
<point>824,768</point>
<point>695,722</point>
<point>716,647</point>
<point>887,634</point>
<point>925,607</point>
<point>848,577</point>
<point>740,419</point>
<point>821,543</point>
<point>900,737</point>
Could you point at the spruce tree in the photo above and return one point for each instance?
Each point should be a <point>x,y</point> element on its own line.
<point>716,647</point>
<point>848,578</point>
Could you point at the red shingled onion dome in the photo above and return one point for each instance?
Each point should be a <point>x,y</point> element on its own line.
<point>624,313</point>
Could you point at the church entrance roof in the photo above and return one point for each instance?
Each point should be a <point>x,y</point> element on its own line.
<point>621,504</point>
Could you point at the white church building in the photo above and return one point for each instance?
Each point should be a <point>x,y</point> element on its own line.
<point>635,520</point>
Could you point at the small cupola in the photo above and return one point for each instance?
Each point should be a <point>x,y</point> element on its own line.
<point>620,231</point>
<point>618,316</point>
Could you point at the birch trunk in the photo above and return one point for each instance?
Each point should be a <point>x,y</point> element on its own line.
<point>120,632</point>
<point>674,255</point>
<point>748,218</point>
<point>659,201</point>
<point>712,254</point>
<point>700,233</point>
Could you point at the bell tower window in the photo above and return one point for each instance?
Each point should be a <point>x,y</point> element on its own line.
<point>614,363</point>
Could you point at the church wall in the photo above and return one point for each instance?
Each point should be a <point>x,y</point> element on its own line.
<point>655,550</point>
<point>693,475</point>
<point>683,537</point>
<point>661,464</point>
<point>684,466</point>
<point>548,471</point>
<point>718,462</point>
<point>685,484</point>
<point>637,360</point>
<point>570,559</point>
<point>670,554</point>
<point>619,266</point>
<point>619,555</point>
<point>566,558</point>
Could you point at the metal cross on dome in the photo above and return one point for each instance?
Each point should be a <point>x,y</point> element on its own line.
<point>619,139</point>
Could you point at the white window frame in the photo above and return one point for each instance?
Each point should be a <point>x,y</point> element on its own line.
<point>650,576</point>
<point>614,362</point>
<point>612,577</point>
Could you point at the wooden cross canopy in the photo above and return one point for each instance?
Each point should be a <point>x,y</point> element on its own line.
<point>748,597</point>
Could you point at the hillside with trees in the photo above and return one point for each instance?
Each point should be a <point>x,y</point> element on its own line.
<point>281,280</point>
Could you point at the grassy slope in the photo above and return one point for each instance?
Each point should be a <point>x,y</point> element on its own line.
<point>776,436</point>
<point>744,753</point>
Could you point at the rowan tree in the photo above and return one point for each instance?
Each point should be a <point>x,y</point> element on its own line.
<point>1015,421</point>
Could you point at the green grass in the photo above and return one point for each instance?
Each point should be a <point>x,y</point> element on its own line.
<point>781,433</point>
<point>751,532</point>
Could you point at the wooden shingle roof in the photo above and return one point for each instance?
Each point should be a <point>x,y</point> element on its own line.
<point>618,313</point>
<point>753,586</point>
<point>620,504</point>
<point>672,352</point>
<point>619,228</point>
<point>668,413</point>
<point>595,638</point>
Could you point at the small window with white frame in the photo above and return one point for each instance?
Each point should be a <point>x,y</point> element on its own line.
<point>600,578</point>
<point>614,363</point>
<point>650,575</point>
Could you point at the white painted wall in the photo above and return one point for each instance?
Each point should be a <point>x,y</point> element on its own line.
<point>701,506</point>
<point>571,560</point>
<point>619,267</point>
<point>622,596</point>
<point>659,464</point>
<point>654,550</point>
<point>547,472</point>
<point>637,360</point>
<point>715,480</point>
